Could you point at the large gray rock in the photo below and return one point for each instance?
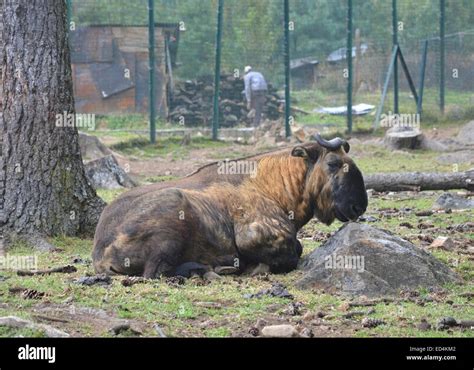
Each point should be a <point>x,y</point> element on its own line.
<point>466,134</point>
<point>105,173</point>
<point>360,259</point>
<point>91,147</point>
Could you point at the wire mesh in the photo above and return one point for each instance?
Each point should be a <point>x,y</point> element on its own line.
<point>253,35</point>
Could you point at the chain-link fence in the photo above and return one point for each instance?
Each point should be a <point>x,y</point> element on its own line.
<point>110,44</point>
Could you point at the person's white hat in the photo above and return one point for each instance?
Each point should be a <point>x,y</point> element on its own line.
<point>247,69</point>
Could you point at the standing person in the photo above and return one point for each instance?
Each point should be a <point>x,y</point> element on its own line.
<point>255,91</point>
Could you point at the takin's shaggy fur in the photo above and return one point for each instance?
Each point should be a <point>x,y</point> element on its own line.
<point>222,219</point>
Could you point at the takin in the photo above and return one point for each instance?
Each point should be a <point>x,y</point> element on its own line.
<point>216,217</point>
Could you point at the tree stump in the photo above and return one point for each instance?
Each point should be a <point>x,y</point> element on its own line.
<point>404,139</point>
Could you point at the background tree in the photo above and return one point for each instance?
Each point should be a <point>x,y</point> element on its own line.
<point>45,191</point>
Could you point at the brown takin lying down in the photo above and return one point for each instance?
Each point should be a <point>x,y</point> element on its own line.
<point>216,218</point>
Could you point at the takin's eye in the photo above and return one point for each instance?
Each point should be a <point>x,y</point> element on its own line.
<point>334,165</point>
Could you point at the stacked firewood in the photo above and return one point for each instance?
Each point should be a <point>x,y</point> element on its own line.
<point>192,103</point>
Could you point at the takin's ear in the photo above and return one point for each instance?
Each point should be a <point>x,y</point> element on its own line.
<point>299,151</point>
<point>310,152</point>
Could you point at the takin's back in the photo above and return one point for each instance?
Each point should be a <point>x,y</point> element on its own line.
<point>116,212</point>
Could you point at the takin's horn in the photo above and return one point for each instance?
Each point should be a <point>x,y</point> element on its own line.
<point>332,144</point>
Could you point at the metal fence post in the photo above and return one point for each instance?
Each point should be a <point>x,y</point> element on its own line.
<point>349,66</point>
<point>395,67</point>
<point>421,87</point>
<point>217,71</point>
<point>151,66</point>
<point>442,8</point>
<point>286,54</point>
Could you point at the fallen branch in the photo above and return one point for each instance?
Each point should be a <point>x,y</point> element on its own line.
<point>417,181</point>
<point>68,269</point>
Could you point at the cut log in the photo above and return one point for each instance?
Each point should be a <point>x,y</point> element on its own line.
<point>417,181</point>
<point>192,102</point>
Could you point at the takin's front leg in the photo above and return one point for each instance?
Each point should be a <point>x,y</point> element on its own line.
<point>271,241</point>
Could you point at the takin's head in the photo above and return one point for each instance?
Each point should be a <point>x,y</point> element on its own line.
<point>333,180</point>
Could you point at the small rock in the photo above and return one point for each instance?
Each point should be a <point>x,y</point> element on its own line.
<point>101,279</point>
<point>446,323</point>
<point>442,242</point>
<point>425,225</point>
<point>119,328</point>
<point>261,269</point>
<point>294,309</point>
<point>423,325</point>
<point>309,316</point>
<point>208,304</point>
<point>423,213</point>
<point>367,218</point>
<point>344,307</point>
<point>306,333</point>
<point>277,290</point>
<point>254,332</point>
<point>175,280</point>
<point>68,300</point>
<point>211,276</point>
<point>159,331</point>
<point>226,270</point>
<point>79,260</point>
<point>368,322</point>
<point>453,201</point>
<point>280,331</point>
<point>260,324</point>
<point>407,225</point>
<point>132,280</point>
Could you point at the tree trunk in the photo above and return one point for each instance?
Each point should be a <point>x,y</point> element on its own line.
<point>45,189</point>
<point>420,181</point>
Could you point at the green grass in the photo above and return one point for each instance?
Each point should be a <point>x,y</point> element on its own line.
<point>458,108</point>
<point>378,159</point>
<point>219,309</point>
<point>108,195</point>
<point>133,121</point>
<point>168,147</point>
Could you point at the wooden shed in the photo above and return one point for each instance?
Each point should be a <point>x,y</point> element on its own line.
<point>304,73</point>
<point>110,67</point>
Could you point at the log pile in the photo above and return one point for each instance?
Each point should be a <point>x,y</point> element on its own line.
<point>192,103</point>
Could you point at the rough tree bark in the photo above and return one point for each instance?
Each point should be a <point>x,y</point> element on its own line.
<point>420,181</point>
<point>45,191</point>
